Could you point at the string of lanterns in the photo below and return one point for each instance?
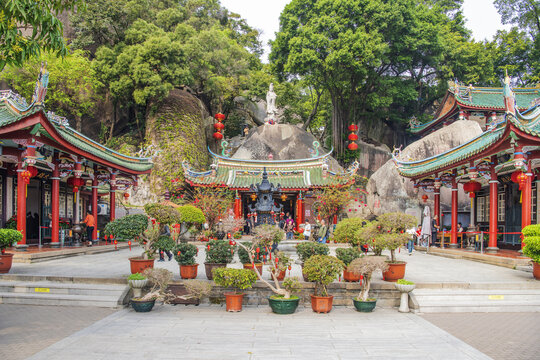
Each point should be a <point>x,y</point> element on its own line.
<point>353,137</point>
<point>219,126</point>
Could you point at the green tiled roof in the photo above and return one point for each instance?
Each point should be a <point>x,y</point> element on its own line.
<point>528,122</point>
<point>296,174</point>
<point>11,111</point>
<point>482,98</point>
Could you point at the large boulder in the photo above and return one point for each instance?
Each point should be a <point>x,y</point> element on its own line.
<point>388,191</point>
<point>283,141</point>
<point>372,157</point>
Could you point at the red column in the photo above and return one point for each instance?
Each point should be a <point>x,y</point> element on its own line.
<point>21,206</point>
<point>299,211</point>
<point>112,196</point>
<point>453,234</point>
<point>55,208</point>
<point>94,203</point>
<point>237,206</point>
<point>437,206</point>
<point>526,202</point>
<point>493,209</point>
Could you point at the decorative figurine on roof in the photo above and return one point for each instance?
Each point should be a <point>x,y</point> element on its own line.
<point>468,93</point>
<point>41,85</point>
<point>509,96</point>
<point>271,109</point>
<point>265,207</point>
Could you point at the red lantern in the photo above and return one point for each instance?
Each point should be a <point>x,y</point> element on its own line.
<point>353,127</point>
<point>33,170</point>
<point>219,126</point>
<point>26,175</point>
<point>515,175</point>
<point>218,136</point>
<point>425,197</point>
<point>472,187</point>
<point>352,146</point>
<point>522,179</point>
<point>353,137</point>
<point>219,117</point>
<point>126,195</point>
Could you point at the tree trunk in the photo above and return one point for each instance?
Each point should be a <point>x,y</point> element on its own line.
<point>339,122</point>
<point>313,112</point>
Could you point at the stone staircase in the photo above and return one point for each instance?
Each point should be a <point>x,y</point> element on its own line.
<point>480,297</point>
<point>57,293</point>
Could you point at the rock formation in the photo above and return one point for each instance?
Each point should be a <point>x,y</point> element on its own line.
<point>388,191</point>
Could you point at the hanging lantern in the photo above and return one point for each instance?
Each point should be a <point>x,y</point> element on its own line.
<point>76,183</point>
<point>126,195</point>
<point>283,197</point>
<point>472,187</point>
<point>33,170</point>
<point>219,117</point>
<point>425,198</point>
<point>253,197</point>
<point>353,137</point>
<point>352,146</point>
<point>353,127</point>
<point>218,136</point>
<point>26,175</point>
<point>219,126</point>
<point>522,180</point>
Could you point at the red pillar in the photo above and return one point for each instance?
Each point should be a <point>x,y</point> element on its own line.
<point>526,202</point>
<point>437,206</point>
<point>94,203</point>
<point>237,206</point>
<point>21,206</point>
<point>55,208</point>
<point>453,234</point>
<point>493,209</point>
<point>112,196</point>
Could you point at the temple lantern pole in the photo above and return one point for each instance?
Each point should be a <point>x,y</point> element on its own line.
<point>453,233</point>
<point>55,203</point>
<point>493,207</point>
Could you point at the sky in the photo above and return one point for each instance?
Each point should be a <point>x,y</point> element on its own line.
<point>482,17</point>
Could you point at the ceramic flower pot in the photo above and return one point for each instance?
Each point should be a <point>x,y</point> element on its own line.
<point>280,275</point>
<point>536,271</point>
<point>208,267</point>
<point>188,271</point>
<point>259,267</point>
<point>405,288</point>
<point>233,302</point>
<point>395,271</point>
<point>321,304</point>
<point>138,265</point>
<point>350,276</point>
<point>364,306</point>
<point>138,284</point>
<point>142,306</point>
<point>5,263</point>
<point>283,306</point>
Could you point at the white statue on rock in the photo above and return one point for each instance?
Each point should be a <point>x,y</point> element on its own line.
<point>271,110</point>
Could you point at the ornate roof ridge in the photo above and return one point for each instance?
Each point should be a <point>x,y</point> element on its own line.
<point>272,162</point>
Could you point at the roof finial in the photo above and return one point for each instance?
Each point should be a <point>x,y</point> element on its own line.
<point>41,85</point>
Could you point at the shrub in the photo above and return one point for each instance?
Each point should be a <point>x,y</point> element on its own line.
<point>292,285</point>
<point>239,279</point>
<point>159,280</point>
<point>11,223</point>
<point>219,252</point>
<point>164,242</point>
<point>8,237</point>
<point>405,282</point>
<point>305,250</point>
<point>346,231</point>
<point>190,214</point>
<point>136,276</point>
<point>197,289</point>
<point>185,253</point>
<point>283,261</point>
<point>322,270</point>
<point>532,242</point>
<point>164,214</point>
<point>258,257</point>
<point>365,266</point>
<point>267,235</point>
<point>347,254</point>
<point>127,228</point>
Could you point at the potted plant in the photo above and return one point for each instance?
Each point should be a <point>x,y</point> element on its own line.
<point>159,279</point>
<point>239,279</point>
<point>219,253</point>
<point>259,254</point>
<point>365,266</point>
<point>137,281</point>
<point>197,289</point>
<point>347,255</point>
<point>190,216</point>
<point>184,254</point>
<point>7,238</point>
<point>531,239</point>
<point>404,287</point>
<point>305,250</point>
<point>322,270</point>
<point>282,263</point>
<point>280,304</point>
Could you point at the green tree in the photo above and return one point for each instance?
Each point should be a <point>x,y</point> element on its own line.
<point>29,27</point>
<point>523,13</point>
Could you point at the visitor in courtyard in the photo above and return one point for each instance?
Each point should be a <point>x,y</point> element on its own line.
<point>90,223</point>
<point>289,227</point>
<point>434,230</point>
<point>166,232</point>
<point>410,244</point>
<point>322,234</point>
<point>307,230</point>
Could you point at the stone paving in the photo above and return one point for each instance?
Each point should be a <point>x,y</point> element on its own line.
<point>500,335</point>
<point>421,268</point>
<point>25,330</point>
<point>179,332</point>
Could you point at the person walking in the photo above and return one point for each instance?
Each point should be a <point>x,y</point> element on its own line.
<point>166,232</point>
<point>307,230</point>
<point>322,234</point>
<point>90,223</point>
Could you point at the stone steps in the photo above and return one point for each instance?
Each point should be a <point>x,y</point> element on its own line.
<point>62,294</point>
<point>489,299</point>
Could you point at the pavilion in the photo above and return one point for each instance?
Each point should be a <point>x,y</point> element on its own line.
<point>497,169</point>
<point>49,169</point>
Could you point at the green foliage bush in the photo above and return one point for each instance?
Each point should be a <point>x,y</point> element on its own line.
<point>136,276</point>
<point>532,242</point>
<point>346,231</point>
<point>164,214</point>
<point>127,228</point>
<point>240,279</point>
<point>305,250</point>
<point>219,252</point>
<point>164,242</point>
<point>347,254</point>
<point>322,270</point>
<point>190,214</point>
<point>292,285</point>
<point>8,237</point>
<point>185,253</point>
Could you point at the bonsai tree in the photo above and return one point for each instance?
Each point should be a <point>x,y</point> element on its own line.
<point>306,250</point>
<point>214,201</point>
<point>258,256</point>
<point>232,225</point>
<point>185,253</point>
<point>365,266</point>
<point>197,289</point>
<point>8,237</point>
<point>347,254</point>
<point>164,214</point>
<point>531,239</point>
<point>130,227</point>
<point>219,252</point>
<point>159,280</point>
<point>323,270</point>
<point>347,230</point>
<point>238,279</point>
<point>369,236</point>
<point>191,217</point>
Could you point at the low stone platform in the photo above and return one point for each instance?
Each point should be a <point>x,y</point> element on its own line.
<point>492,259</point>
<point>52,254</point>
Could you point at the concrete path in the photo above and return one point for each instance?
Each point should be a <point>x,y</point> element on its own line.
<point>421,268</point>
<point>211,333</point>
